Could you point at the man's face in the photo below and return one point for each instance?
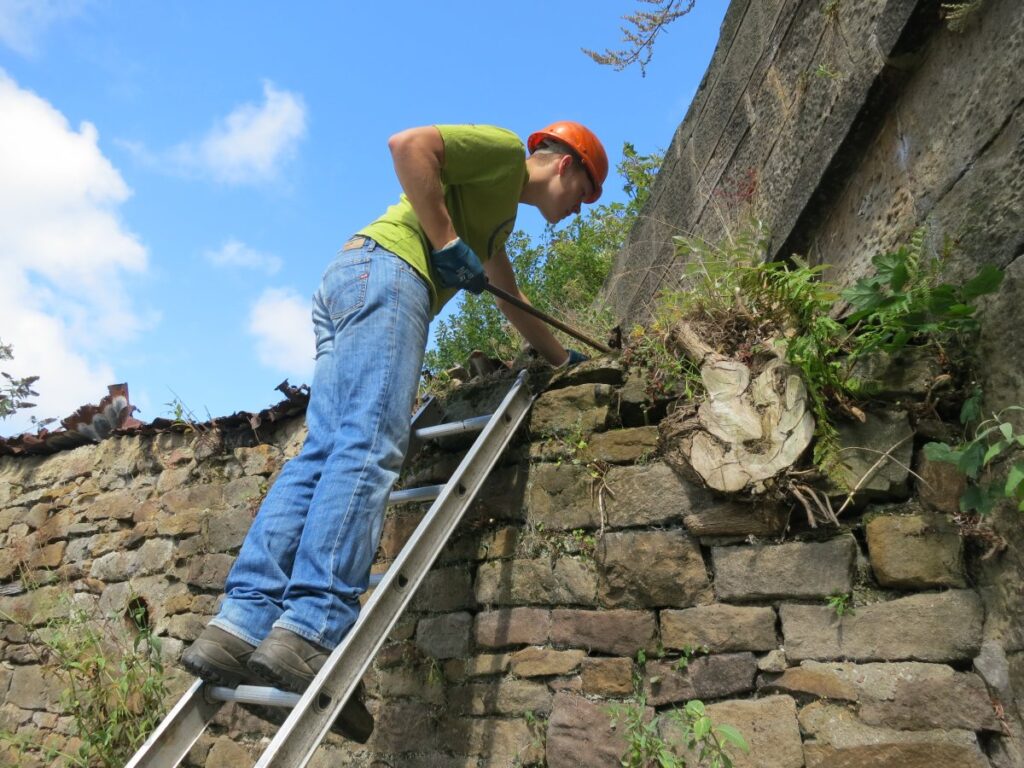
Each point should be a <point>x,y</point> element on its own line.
<point>569,188</point>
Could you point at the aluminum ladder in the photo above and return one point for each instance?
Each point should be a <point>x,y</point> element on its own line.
<point>313,712</point>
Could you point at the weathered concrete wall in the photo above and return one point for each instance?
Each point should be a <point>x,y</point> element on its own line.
<point>526,629</point>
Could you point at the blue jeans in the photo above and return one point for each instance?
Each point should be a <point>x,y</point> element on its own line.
<point>306,558</point>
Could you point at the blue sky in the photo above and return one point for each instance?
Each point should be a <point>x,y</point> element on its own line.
<point>175,176</point>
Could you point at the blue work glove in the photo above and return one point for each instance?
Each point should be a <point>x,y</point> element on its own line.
<point>575,358</point>
<point>457,266</point>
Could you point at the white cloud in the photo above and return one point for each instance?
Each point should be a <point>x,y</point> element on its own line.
<point>64,255</point>
<point>249,146</point>
<point>22,22</point>
<point>280,321</point>
<point>235,253</point>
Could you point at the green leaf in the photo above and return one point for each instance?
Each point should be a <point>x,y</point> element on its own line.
<point>941,452</point>
<point>1007,429</point>
<point>732,736</point>
<point>994,450</point>
<point>971,410</point>
<point>986,281</point>
<point>971,459</point>
<point>1014,479</point>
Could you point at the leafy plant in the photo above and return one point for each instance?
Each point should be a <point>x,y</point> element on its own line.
<point>996,441</point>
<point>115,686</point>
<point>647,744</point>
<point>746,307</point>
<point>840,604</point>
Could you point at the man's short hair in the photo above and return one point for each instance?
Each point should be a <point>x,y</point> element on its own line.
<point>552,147</point>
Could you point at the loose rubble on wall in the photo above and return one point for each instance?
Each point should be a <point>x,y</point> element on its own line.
<point>528,627</point>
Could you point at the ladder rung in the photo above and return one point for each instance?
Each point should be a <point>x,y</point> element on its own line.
<point>447,429</point>
<point>409,495</point>
<point>254,694</point>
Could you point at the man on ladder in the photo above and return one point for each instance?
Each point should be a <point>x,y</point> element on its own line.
<point>293,592</point>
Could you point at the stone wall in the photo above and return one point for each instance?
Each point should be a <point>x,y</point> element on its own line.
<point>528,626</point>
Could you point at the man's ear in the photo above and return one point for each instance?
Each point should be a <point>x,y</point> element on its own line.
<point>564,164</point>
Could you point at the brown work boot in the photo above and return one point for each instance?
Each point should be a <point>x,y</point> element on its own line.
<point>221,658</point>
<point>291,662</point>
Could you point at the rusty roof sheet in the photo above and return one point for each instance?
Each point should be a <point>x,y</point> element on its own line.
<point>113,416</point>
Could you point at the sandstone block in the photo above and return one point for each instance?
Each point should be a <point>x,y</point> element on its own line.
<point>943,627</point>
<point>545,662</point>
<point>512,626</point>
<point>836,737</point>
<point>915,552</point>
<point>648,569</point>
<point>795,570</point>
<point>444,590</point>
<point>560,497</point>
<point>580,733</point>
<point>445,636</point>
<point>607,677</point>
<point>537,582</point>
<point>502,697</point>
<point>209,571</point>
<point>502,742</point>
<point>481,665</point>
<point>768,725</point>
<point>582,407</point>
<point>34,688</point>
<point>618,632</point>
<point>704,677</point>
<point>649,495</point>
<point>622,446</point>
<point>720,628</point>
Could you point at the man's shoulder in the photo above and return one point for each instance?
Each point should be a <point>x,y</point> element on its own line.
<point>477,132</point>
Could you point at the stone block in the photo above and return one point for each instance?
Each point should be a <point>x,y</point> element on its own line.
<point>446,636</point>
<point>411,683</point>
<point>582,408</point>
<point>863,444</point>
<point>607,677</point>
<point>580,733</point>
<point>209,571</point>
<point>939,484</point>
<point>652,494</point>
<point>263,459</point>
<point>617,632</point>
<point>720,628</point>
<point>404,726</point>
<point>622,446</point>
<point>567,581</point>
<point>154,556</point>
<point>114,505</point>
<point>444,590</point>
<point>768,725</point>
<point>651,569</point>
<point>836,737</point>
<point>796,570</point>
<point>481,665</point>
<point>501,697</point>
<point>942,627</point>
<point>915,552</point>
<point>502,742</point>
<point>33,688</point>
<point>512,626</point>
<point>560,497</point>
<point>704,677</point>
<point>545,662</point>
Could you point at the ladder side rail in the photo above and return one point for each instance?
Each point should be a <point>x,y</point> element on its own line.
<point>307,725</point>
<point>178,731</point>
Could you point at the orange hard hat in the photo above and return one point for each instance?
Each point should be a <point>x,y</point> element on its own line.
<point>584,143</point>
